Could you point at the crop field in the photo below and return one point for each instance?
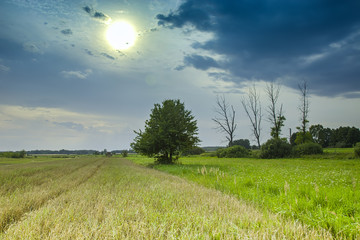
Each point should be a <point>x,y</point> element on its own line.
<point>92,197</point>
<point>322,193</point>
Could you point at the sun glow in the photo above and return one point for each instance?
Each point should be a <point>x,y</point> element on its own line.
<point>121,35</point>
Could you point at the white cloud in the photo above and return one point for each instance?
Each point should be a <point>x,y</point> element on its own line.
<point>313,58</point>
<point>4,68</point>
<point>77,74</point>
<point>32,47</point>
<point>55,128</point>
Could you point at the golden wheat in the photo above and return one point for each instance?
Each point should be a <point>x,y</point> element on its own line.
<point>115,199</point>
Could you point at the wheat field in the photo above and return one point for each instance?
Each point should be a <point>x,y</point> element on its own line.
<point>112,198</point>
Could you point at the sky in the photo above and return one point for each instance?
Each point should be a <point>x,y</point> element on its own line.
<point>63,85</point>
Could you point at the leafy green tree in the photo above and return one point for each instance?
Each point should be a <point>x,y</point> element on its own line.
<point>325,137</point>
<point>193,151</point>
<point>124,153</point>
<point>233,152</point>
<point>315,131</point>
<point>302,138</point>
<point>242,142</point>
<point>22,154</point>
<point>345,137</point>
<point>170,130</point>
<point>275,148</point>
<point>339,137</point>
<point>321,135</point>
<point>307,149</point>
<point>276,129</point>
<point>293,138</point>
<point>352,137</point>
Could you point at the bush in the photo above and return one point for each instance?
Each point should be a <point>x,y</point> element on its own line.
<point>340,145</point>
<point>242,142</point>
<point>302,138</point>
<point>233,152</point>
<point>124,153</point>
<point>20,154</point>
<point>357,150</point>
<point>308,148</point>
<point>275,148</point>
<point>194,151</point>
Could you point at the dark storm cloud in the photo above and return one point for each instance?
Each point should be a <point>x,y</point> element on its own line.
<point>88,10</point>
<point>101,16</point>
<point>188,13</point>
<point>96,14</point>
<point>199,62</point>
<point>66,32</point>
<point>277,39</point>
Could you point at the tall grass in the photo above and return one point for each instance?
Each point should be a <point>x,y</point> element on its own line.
<point>24,188</point>
<point>322,193</point>
<point>112,198</point>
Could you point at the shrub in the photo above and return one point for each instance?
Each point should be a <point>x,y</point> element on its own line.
<point>242,142</point>
<point>302,138</point>
<point>275,148</point>
<point>308,148</point>
<point>357,150</point>
<point>20,154</point>
<point>124,153</point>
<point>233,152</point>
<point>194,151</point>
<point>340,145</point>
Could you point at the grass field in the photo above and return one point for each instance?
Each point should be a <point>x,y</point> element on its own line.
<point>322,193</point>
<point>113,198</point>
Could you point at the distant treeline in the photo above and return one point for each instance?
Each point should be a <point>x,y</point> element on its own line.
<point>342,137</point>
<point>212,149</point>
<point>75,152</point>
<point>20,154</point>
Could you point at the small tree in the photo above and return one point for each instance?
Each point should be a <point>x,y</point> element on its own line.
<point>22,154</point>
<point>275,148</point>
<point>242,142</point>
<point>233,152</point>
<point>321,135</point>
<point>226,119</point>
<point>276,117</point>
<point>302,138</point>
<point>124,153</point>
<point>170,130</point>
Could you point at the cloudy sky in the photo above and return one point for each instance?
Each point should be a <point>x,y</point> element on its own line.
<point>63,85</point>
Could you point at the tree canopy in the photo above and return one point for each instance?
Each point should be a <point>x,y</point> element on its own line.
<point>170,130</point>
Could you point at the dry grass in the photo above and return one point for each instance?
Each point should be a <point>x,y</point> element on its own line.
<point>115,199</point>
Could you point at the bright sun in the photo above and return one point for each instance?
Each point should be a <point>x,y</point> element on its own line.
<point>121,35</point>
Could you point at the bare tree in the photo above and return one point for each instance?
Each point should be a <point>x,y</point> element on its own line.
<point>276,117</point>
<point>304,109</point>
<point>252,107</point>
<point>226,118</point>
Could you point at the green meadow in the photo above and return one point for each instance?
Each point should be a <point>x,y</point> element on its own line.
<point>322,192</point>
<point>90,197</point>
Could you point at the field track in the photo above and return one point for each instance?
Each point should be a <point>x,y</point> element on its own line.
<point>112,198</point>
